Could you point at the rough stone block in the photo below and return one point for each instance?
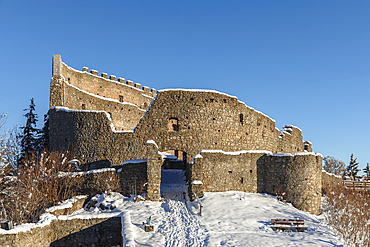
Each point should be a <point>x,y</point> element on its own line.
<point>94,72</point>
<point>146,89</point>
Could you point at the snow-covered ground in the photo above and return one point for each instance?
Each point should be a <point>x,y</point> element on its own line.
<point>229,218</point>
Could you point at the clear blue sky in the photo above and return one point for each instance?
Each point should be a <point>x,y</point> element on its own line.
<point>305,63</point>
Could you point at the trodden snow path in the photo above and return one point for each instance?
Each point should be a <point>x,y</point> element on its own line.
<point>179,226</point>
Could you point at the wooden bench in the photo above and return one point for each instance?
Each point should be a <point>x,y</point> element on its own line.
<point>296,225</point>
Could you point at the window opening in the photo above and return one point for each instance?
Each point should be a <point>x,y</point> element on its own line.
<point>241,120</point>
<point>173,124</point>
<point>120,98</point>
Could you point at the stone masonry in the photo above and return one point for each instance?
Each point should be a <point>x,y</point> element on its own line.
<point>109,121</point>
<point>299,176</point>
<point>68,232</point>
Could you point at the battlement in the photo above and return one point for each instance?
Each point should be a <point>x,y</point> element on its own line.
<point>125,100</point>
<point>145,89</point>
<point>58,71</point>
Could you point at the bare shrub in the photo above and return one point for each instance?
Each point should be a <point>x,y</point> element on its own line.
<point>34,185</point>
<point>348,212</point>
<point>9,145</point>
<point>333,165</point>
<point>111,181</point>
<point>281,193</point>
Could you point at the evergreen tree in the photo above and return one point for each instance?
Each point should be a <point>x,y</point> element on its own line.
<point>352,169</point>
<point>30,134</point>
<point>43,141</point>
<point>367,172</point>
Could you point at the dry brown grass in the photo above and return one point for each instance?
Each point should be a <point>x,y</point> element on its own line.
<point>348,212</point>
<point>34,185</point>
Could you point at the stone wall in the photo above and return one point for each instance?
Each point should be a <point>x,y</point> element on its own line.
<point>73,232</point>
<point>154,163</point>
<point>225,171</point>
<point>330,179</point>
<point>212,120</point>
<point>78,203</point>
<point>132,178</point>
<point>92,137</point>
<point>299,176</point>
<point>127,180</point>
<point>65,231</point>
<point>126,102</point>
<point>205,120</point>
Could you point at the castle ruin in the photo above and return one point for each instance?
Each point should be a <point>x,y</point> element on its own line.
<point>225,144</point>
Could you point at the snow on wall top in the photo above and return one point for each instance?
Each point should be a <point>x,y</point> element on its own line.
<point>308,153</point>
<point>331,174</point>
<point>287,129</point>
<point>152,142</point>
<point>101,97</point>
<point>65,204</point>
<point>113,128</point>
<point>197,156</point>
<point>237,152</point>
<point>47,218</point>
<point>166,155</point>
<point>137,161</point>
<point>292,127</point>
<point>214,91</point>
<point>299,153</point>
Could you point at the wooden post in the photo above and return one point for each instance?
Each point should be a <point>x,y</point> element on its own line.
<point>200,204</point>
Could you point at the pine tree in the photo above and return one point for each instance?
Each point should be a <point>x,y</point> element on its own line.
<point>43,141</point>
<point>367,172</point>
<point>30,134</point>
<point>352,169</point>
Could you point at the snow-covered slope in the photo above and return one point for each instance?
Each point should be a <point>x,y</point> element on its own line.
<point>229,218</point>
